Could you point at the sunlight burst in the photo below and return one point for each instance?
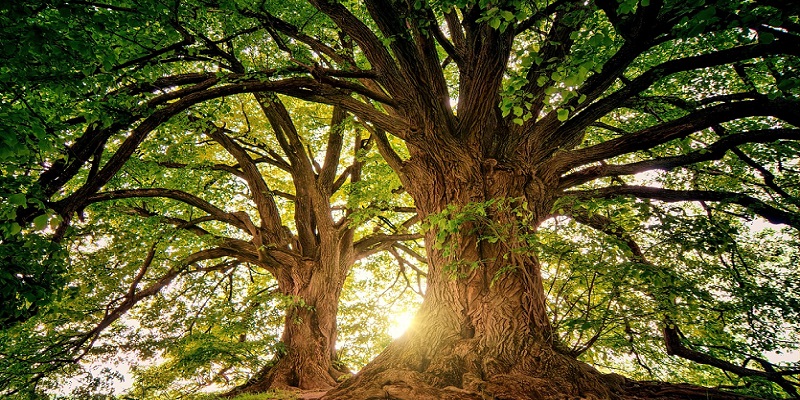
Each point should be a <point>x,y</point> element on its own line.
<point>400,324</point>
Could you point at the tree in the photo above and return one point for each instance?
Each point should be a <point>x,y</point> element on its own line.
<point>497,118</point>
<point>238,185</point>
<point>172,189</point>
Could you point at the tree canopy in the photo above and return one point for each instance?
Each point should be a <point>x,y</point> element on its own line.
<point>593,177</point>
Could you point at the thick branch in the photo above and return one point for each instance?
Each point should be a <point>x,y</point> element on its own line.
<point>597,110</point>
<point>367,41</point>
<point>714,151</point>
<point>676,129</point>
<point>675,347</point>
<point>333,150</point>
<point>768,212</point>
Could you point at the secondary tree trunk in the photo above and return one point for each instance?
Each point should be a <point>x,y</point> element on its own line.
<point>307,355</point>
<point>482,329</point>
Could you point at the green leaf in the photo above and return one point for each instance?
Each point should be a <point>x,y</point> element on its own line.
<point>765,37</point>
<point>40,222</point>
<point>18,199</point>
<point>541,81</point>
<point>563,114</point>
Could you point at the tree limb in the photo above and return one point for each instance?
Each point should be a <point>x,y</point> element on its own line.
<point>377,243</point>
<point>675,347</point>
<point>714,151</point>
<point>768,212</point>
<point>178,195</point>
<point>575,125</point>
<point>676,129</point>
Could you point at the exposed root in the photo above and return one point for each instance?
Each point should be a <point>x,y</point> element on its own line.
<point>412,385</point>
<point>286,374</point>
<point>460,375</point>
<point>398,385</point>
<point>546,376</point>
<point>676,391</point>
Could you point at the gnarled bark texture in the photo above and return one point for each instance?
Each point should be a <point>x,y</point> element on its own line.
<point>483,329</point>
<point>308,358</point>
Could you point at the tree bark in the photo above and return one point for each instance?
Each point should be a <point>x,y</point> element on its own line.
<point>307,355</point>
<point>482,329</point>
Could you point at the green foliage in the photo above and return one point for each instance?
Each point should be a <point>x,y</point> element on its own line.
<point>31,265</point>
<point>31,276</point>
<point>82,84</point>
<point>717,280</point>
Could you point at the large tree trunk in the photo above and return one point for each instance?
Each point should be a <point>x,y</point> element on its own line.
<point>307,355</point>
<point>482,329</point>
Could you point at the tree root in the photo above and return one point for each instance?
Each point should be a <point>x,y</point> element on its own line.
<point>634,390</point>
<point>283,375</point>
<point>564,381</point>
<point>401,384</point>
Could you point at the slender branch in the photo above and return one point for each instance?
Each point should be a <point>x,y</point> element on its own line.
<point>411,252</point>
<point>675,347</point>
<point>769,177</point>
<point>387,152</point>
<point>403,262</point>
<point>377,243</point>
<point>173,194</point>
<point>531,21</point>
<point>232,169</point>
<point>275,23</point>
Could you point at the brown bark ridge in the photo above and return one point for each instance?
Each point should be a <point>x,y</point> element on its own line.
<point>307,358</point>
<point>482,330</point>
